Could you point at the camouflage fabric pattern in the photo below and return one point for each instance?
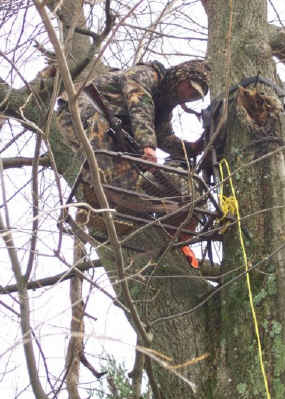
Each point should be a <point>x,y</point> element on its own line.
<point>133,96</point>
<point>115,171</point>
<point>195,70</point>
<point>129,95</point>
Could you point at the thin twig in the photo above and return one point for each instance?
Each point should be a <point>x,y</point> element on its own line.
<point>35,208</point>
<point>75,345</point>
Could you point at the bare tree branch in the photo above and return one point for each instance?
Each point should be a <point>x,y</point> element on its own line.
<point>49,281</point>
<point>19,162</point>
<point>75,346</point>
<point>24,306</point>
<point>35,207</point>
<point>93,165</point>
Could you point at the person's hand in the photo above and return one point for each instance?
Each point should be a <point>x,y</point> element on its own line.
<point>149,154</point>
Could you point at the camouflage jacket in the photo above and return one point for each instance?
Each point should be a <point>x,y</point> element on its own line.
<point>133,96</point>
<point>130,97</point>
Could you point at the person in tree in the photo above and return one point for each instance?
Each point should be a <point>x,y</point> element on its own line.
<point>141,100</point>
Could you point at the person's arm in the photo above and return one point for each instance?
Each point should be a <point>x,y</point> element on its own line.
<point>137,86</point>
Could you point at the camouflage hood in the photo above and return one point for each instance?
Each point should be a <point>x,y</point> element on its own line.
<point>196,71</point>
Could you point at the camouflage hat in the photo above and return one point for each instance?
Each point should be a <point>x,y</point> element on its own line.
<point>196,71</point>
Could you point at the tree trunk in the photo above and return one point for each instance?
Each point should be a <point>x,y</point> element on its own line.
<point>239,373</point>
<point>162,290</point>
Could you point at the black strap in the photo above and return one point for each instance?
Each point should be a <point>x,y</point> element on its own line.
<point>123,139</point>
<point>216,103</point>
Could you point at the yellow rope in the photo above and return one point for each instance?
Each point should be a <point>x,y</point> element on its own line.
<point>230,204</point>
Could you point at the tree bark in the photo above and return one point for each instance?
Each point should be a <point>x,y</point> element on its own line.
<point>162,290</point>
<point>238,373</point>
